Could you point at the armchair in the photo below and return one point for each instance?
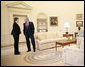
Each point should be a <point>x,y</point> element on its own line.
<point>74,55</point>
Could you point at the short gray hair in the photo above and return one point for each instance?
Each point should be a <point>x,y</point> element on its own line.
<point>26,18</point>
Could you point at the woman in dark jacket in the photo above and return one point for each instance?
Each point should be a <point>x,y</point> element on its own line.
<point>16,32</point>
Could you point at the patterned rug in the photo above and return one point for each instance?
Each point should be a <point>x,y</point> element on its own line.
<point>43,57</point>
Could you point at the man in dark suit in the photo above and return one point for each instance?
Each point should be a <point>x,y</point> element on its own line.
<point>16,32</point>
<point>29,33</point>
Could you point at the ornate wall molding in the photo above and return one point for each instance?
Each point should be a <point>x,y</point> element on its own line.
<point>19,5</point>
<point>15,8</point>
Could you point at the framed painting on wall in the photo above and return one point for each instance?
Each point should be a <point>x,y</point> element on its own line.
<point>53,21</point>
<point>79,16</point>
<point>79,23</point>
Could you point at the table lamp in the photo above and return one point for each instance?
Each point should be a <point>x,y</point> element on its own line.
<point>66,25</point>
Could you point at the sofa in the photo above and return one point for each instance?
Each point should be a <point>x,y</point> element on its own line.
<point>47,37</point>
<point>74,55</point>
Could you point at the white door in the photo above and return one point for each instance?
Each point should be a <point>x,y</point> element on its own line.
<point>21,21</point>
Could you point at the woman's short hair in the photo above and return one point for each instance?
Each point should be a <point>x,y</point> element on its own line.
<point>15,19</point>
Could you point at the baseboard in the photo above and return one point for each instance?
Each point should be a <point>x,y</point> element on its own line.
<point>11,45</point>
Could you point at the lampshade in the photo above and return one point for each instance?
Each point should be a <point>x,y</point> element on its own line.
<point>66,25</point>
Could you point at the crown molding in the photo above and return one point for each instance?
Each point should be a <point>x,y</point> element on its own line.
<point>19,5</point>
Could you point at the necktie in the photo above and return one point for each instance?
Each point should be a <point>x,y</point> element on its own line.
<point>27,25</point>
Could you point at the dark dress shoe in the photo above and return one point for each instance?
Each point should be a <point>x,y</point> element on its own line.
<point>28,50</point>
<point>17,53</point>
<point>34,51</point>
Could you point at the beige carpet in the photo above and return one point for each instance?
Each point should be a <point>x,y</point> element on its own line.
<point>9,59</point>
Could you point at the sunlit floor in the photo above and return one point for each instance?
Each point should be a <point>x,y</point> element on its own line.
<point>9,59</point>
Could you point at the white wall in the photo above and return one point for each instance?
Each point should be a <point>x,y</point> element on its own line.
<point>5,27</point>
<point>65,11</point>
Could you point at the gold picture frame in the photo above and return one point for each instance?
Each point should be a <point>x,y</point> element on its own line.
<point>79,23</point>
<point>79,16</point>
<point>53,21</point>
